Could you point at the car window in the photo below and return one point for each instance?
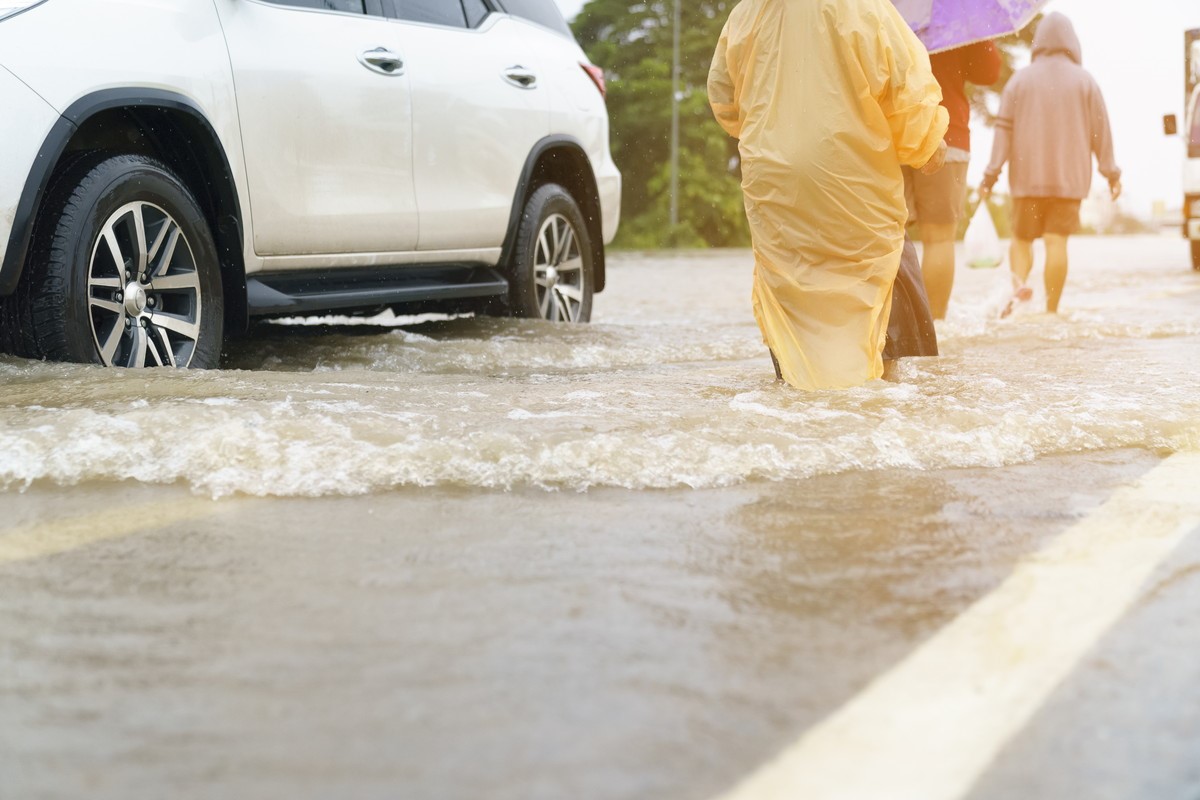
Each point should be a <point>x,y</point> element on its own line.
<point>353,6</point>
<point>543,12</point>
<point>476,11</point>
<point>435,12</point>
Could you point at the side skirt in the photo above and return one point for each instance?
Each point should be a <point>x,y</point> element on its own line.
<point>309,292</point>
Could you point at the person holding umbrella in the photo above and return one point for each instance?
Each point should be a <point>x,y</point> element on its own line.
<point>1052,120</point>
<point>936,202</point>
<point>828,99</point>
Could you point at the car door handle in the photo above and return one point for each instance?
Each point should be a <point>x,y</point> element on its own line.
<point>521,77</point>
<point>383,61</point>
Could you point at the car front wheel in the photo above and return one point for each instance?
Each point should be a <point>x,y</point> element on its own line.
<point>551,275</point>
<point>124,270</point>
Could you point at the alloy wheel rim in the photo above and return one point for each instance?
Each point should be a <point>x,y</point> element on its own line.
<point>558,271</point>
<point>144,299</point>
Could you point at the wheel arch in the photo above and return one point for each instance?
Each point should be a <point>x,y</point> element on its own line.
<point>154,122</point>
<point>561,160</point>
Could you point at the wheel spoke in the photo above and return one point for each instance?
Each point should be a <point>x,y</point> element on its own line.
<point>107,305</point>
<point>139,238</point>
<point>163,263</point>
<point>555,239</point>
<point>544,304</point>
<point>114,249</point>
<point>545,250</point>
<point>159,238</point>
<point>164,343</point>
<point>106,283</point>
<point>566,303</point>
<point>568,240</point>
<point>177,324</point>
<point>152,348</point>
<point>570,292</point>
<point>179,281</point>
<point>137,353</point>
<point>108,350</point>
<point>571,265</point>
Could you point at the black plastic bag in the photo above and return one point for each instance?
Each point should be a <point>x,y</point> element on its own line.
<point>910,330</point>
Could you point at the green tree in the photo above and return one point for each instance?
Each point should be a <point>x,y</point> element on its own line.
<point>632,41</point>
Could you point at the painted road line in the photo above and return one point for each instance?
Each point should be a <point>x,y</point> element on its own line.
<point>930,727</point>
<point>52,537</point>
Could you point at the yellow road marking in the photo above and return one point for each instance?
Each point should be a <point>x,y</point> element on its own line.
<point>928,728</point>
<point>52,537</point>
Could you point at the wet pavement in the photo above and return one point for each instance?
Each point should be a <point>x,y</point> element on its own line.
<point>404,591</point>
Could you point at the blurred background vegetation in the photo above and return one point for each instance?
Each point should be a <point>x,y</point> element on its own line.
<point>632,41</point>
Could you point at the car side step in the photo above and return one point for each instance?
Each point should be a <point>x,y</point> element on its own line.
<point>329,290</point>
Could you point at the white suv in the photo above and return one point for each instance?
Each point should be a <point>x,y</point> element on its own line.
<point>171,169</point>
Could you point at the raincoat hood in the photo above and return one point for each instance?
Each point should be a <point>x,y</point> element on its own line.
<point>1056,34</point>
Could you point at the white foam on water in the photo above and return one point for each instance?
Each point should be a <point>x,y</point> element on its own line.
<point>683,397</point>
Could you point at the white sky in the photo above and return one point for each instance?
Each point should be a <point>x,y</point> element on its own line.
<point>1135,51</point>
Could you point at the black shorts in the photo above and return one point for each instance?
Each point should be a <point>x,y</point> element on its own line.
<point>1035,216</point>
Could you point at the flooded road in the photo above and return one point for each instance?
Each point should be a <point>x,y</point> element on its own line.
<point>667,389</point>
<point>403,590</point>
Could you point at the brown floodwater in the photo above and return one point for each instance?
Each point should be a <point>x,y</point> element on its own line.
<point>507,560</point>
<point>670,387</point>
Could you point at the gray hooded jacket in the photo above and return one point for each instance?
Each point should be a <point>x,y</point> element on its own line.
<point>1052,119</point>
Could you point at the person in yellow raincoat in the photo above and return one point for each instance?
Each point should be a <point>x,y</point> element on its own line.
<point>828,98</point>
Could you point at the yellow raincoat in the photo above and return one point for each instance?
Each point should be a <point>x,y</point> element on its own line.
<point>828,99</point>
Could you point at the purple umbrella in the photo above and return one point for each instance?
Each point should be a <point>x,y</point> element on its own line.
<point>945,24</point>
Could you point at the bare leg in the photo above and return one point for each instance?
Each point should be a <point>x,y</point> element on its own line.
<point>937,265</point>
<point>1056,270</point>
<point>1020,257</point>
<point>775,363</point>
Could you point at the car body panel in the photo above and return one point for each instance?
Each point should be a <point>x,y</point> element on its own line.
<point>24,125</point>
<point>578,110</point>
<point>472,128</point>
<point>486,256</point>
<point>328,141</point>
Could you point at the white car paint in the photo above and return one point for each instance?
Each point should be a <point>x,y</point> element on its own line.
<point>464,169</point>
<point>328,142</point>
<point>25,121</point>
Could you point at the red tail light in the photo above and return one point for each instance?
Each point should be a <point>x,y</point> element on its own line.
<point>597,76</point>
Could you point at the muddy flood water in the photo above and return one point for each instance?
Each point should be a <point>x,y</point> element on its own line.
<point>515,561</point>
<point>668,388</point>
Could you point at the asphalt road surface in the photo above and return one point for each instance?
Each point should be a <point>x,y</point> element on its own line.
<point>485,559</point>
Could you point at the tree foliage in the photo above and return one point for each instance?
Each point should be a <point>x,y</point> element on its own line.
<point>632,41</point>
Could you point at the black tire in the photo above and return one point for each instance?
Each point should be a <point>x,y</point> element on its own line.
<point>72,279</point>
<point>558,294</point>
<point>1196,255</point>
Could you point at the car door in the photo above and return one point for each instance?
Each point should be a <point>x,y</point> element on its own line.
<point>325,108</point>
<point>478,110</point>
